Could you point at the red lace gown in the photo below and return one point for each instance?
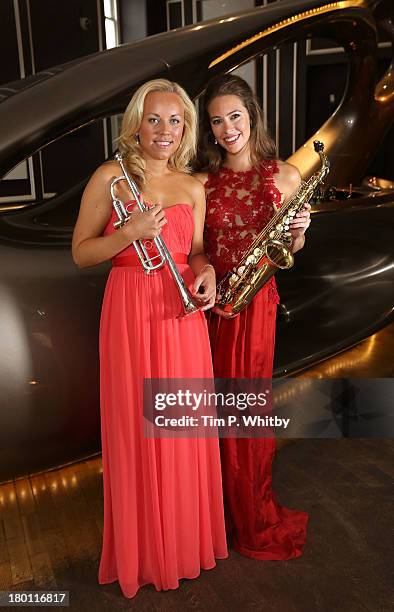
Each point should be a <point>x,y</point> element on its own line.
<point>239,205</point>
<point>163,501</point>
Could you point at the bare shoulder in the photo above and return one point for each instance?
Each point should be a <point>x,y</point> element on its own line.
<point>107,171</point>
<point>202,177</point>
<point>97,191</point>
<point>287,180</point>
<point>288,174</point>
<point>194,186</point>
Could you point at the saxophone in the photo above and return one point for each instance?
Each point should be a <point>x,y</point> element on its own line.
<point>270,249</point>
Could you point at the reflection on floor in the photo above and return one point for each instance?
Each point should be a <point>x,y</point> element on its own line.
<point>51,527</point>
<point>372,358</point>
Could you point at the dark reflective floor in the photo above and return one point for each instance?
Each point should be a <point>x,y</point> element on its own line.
<point>51,526</point>
<point>372,358</point>
<point>50,538</point>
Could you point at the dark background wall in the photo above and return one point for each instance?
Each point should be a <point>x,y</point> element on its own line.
<point>35,35</point>
<point>299,84</point>
<point>133,19</point>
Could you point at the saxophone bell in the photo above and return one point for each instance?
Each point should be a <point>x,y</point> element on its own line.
<point>279,255</point>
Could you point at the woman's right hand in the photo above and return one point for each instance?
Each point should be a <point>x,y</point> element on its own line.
<point>145,224</point>
<point>223,313</point>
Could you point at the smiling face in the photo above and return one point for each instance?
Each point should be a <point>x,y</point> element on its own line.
<point>162,125</point>
<point>230,123</point>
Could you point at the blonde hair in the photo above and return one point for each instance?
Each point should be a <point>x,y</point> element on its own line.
<point>129,145</point>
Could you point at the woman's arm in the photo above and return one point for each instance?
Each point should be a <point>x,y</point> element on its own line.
<point>204,288</point>
<point>288,181</point>
<point>89,247</point>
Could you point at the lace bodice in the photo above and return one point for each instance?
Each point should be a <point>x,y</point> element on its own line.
<point>239,205</point>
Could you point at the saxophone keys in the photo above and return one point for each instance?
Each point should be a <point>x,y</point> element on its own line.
<point>257,252</point>
<point>272,234</point>
<point>279,227</point>
<point>250,260</point>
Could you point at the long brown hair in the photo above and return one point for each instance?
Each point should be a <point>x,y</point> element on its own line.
<point>210,156</point>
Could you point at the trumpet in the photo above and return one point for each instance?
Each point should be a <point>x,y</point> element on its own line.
<point>163,256</point>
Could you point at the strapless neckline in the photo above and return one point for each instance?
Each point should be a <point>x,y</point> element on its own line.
<point>166,207</point>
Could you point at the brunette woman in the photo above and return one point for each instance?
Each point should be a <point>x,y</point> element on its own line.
<point>243,182</point>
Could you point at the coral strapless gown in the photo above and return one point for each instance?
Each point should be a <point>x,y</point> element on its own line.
<point>239,205</point>
<point>163,506</point>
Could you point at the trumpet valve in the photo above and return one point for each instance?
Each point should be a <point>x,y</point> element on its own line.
<point>121,222</point>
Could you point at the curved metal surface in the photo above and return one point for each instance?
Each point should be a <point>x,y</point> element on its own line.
<point>378,184</point>
<point>50,310</point>
<point>49,365</point>
<point>353,133</point>
<point>342,287</point>
<point>101,84</point>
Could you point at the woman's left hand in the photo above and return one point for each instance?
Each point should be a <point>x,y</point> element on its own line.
<point>204,288</point>
<point>300,223</point>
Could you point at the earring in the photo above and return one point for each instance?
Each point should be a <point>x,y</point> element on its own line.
<point>215,141</point>
<point>137,138</point>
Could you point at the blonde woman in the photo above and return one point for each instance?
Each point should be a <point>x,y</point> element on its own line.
<point>163,509</point>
